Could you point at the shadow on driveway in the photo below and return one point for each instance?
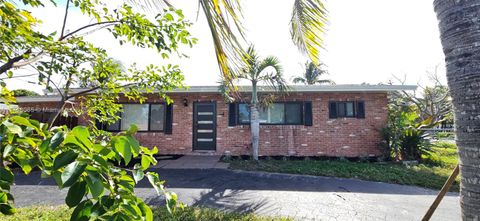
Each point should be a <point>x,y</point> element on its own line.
<point>220,180</point>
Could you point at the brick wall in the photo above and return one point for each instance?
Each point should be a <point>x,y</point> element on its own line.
<point>349,137</point>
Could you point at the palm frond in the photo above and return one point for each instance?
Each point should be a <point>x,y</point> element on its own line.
<point>219,14</point>
<point>151,5</point>
<point>326,81</point>
<point>307,26</point>
<point>313,73</point>
<point>224,89</point>
<point>228,49</point>
<point>297,80</point>
<point>273,79</point>
<point>272,62</point>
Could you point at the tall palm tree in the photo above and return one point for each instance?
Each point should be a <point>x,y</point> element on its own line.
<point>307,26</point>
<point>268,73</point>
<point>312,75</point>
<point>459,24</point>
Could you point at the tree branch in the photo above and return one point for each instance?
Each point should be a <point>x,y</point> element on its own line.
<point>65,19</point>
<point>87,26</point>
<point>83,92</point>
<point>7,66</point>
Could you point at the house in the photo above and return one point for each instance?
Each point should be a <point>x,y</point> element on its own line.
<point>314,120</point>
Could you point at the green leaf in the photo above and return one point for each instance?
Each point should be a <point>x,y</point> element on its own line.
<point>8,149</point>
<point>64,159</point>
<point>82,211</point>
<point>13,128</point>
<point>133,210</point>
<point>76,193</point>
<point>44,146</point>
<point>57,139</point>
<point>155,182</point>
<point>146,211</point>
<point>3,197</point>
<point>72,172</point>
<point>95,185</point>
<point>145,161</point>
<point>169,17</point>
<point>71,139</point>
<point>132,130</point>
<point>126,183</point>
<point>82,135</point>
<point>96,211</point>
<point>122,147</point>
<point>6,175</point>
<point>137,173</point>
<point>57,176</point>
<point>107,201</point>
<point>22,121</point>
<point>27,140</point>
<point>4,185</point>
<point>7,209</point>
<point>134,144</point>
<point>171,199</point>
<point>100,160</point>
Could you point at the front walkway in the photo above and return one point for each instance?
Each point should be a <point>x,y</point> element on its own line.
<point>301,197</point>
<point>194,162</point>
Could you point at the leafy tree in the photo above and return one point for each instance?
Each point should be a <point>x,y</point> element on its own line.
<point>82,160</point>
<point>405,136</point>
<point>432,101</point>
<point>458,24</point>
<point>75,61</point>
<point>312,75</point>
<point>266,72</point>
<point>85,159</point>
<point>24,92</point>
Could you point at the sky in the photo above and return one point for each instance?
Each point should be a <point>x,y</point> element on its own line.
<point>367,41</point>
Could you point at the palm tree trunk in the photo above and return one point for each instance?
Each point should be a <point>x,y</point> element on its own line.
<point>255,129</point>
<point>254,121</point>
<point>459,24</point>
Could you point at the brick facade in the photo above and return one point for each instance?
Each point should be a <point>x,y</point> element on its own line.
<point>349,137</point>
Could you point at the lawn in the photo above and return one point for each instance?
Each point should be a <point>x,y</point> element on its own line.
<point>62,213</point>
<point>431,173</point>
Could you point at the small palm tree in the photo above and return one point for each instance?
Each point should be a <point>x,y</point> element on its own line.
<point>312,75</point>
<point>268,73</point>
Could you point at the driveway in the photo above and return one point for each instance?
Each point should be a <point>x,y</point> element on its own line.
<point>300,197</point>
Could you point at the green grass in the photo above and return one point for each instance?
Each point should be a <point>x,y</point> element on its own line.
<point>62,213</point>
<point>431,173</point>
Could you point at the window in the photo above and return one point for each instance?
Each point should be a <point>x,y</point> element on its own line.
<point>277,113</point>
<point>45,117</point>
<point>346,109</point>
<point>243,113</point>
<point>157,116</point>
<point>147,117</point>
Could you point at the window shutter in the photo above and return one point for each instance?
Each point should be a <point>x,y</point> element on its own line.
<point>360,109</point>
<point>307,117</point>
<point>332,109</point>
<point>168,119</point>
<point>232,114</point>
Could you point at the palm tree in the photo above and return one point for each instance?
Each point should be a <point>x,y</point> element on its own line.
<point>312,75</point>
<point>268,73</point>
<point>307,25</point>
<point>460,36</point>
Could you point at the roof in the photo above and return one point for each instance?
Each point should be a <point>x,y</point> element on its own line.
<point>293,88</point>
<point>308,88</point>
<point>41,98</point>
